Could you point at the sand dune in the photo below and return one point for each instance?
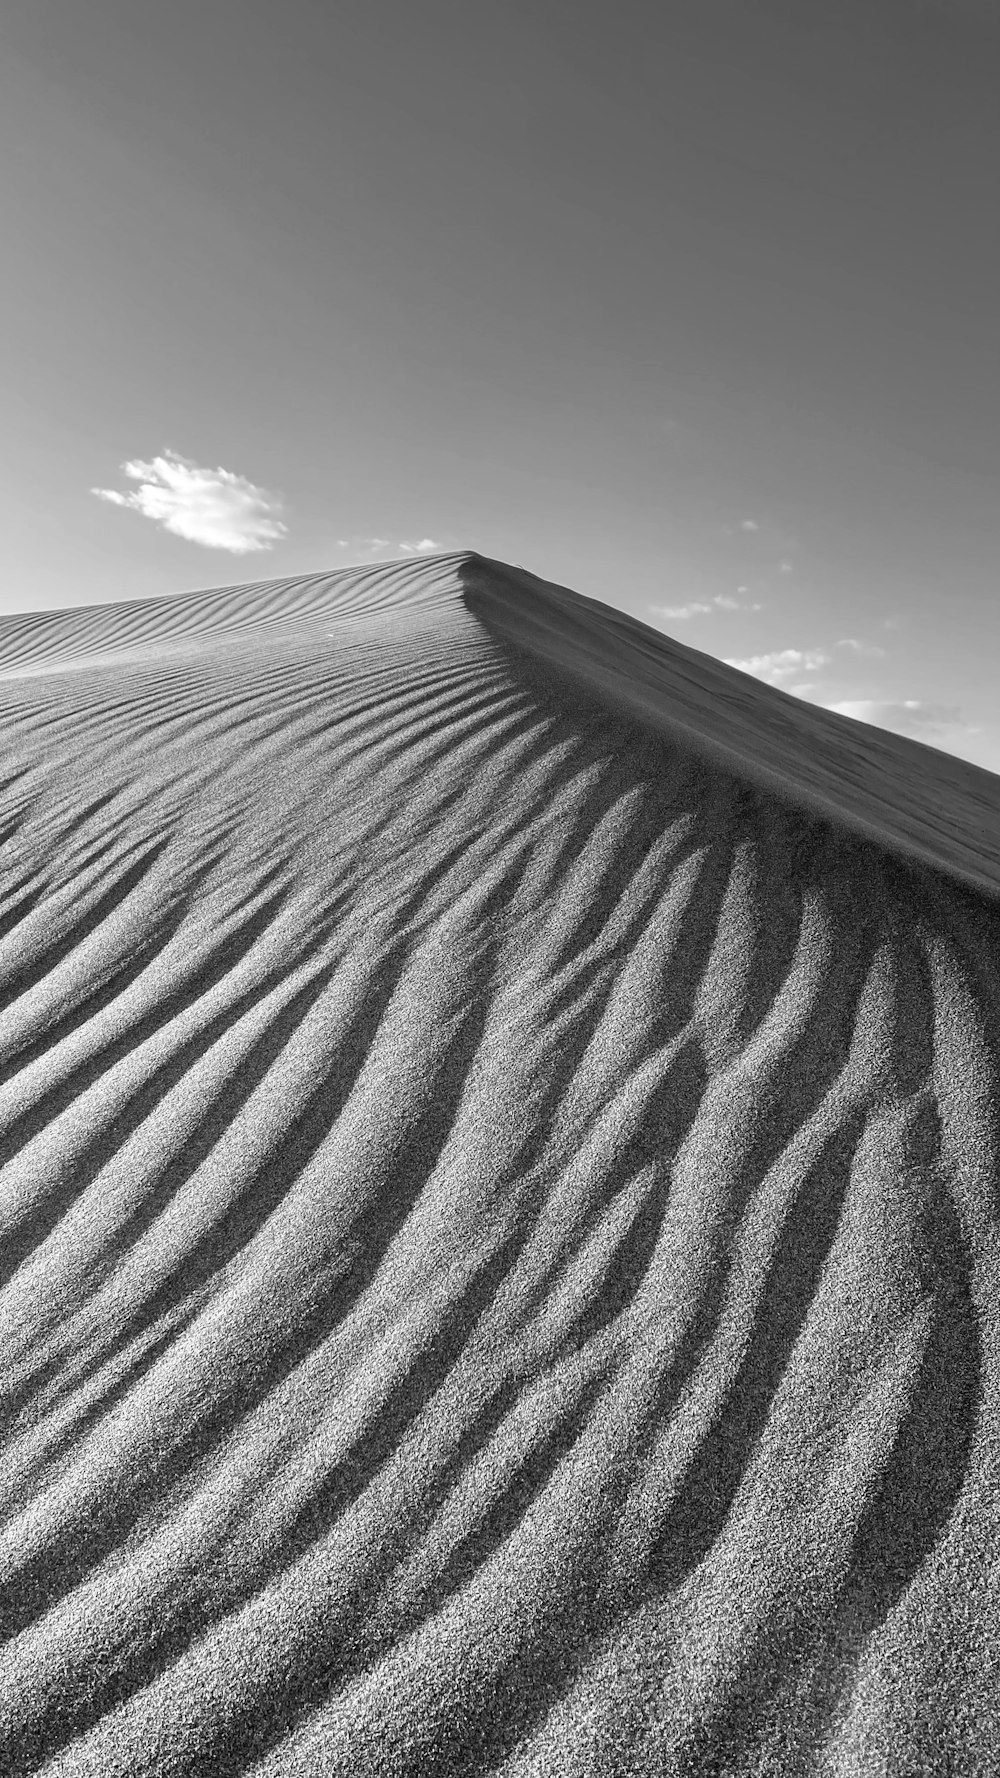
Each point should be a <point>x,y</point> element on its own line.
<point>499,1264</point>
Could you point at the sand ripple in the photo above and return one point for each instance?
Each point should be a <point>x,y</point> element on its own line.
<point>499,1261</point>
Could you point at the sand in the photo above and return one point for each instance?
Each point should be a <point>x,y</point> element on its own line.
<point>499,1208</point>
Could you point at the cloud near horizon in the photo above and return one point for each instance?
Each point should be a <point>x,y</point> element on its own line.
<point>426,546</point>
<point>904,716</point>
<point>783,665</point>
<point>857,646</point>
<point>212,507</point>
<point>698,607</point>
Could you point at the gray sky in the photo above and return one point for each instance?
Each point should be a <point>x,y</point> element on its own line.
<point>684,305</point>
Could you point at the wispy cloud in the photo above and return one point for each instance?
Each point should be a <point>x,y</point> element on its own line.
<point>905,716</point>
<point>859,647</point>
<point>213,507</point>
<point>726,601</point>
<point>749,525</point>
<point>782,666</point>
<point>701,608</point>
<point>679,612</point>
<point>374,546</point>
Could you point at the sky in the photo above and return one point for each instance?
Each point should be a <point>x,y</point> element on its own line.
<point>692,307</point>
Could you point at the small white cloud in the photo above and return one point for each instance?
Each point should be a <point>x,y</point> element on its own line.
<point>361,544</point>
<point>700,608</point>
<point>783,665</point>
<point>785,568</point>
<point>680,612</point>
<point>213,507</point>
<point>904,716</point>
<point>857,646</point>
<point>726,602</point>
<point>749,525</point>
<point>373,546</point>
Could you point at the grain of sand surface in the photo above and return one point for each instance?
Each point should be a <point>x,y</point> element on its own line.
<point>499,1263</point>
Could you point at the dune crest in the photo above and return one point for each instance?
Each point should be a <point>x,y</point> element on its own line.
<point>911,799</point>
<point>499,1262</point>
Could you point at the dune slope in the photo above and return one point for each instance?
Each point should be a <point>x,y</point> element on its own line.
<point>499,1264</point>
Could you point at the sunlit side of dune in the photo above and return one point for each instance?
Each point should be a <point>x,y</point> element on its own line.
<point>499,1263</point>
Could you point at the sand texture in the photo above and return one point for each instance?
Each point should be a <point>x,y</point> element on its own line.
<point>499,1265</point>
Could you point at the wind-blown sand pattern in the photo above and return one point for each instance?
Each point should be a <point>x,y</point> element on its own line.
<point>499,1210</point>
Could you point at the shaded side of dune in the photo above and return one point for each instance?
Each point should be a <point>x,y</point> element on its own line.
<point>499,1262</point>
<point>922,805</point>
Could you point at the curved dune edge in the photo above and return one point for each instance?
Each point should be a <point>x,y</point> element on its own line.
<point>919,803</point>
<point>498,1222</point>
